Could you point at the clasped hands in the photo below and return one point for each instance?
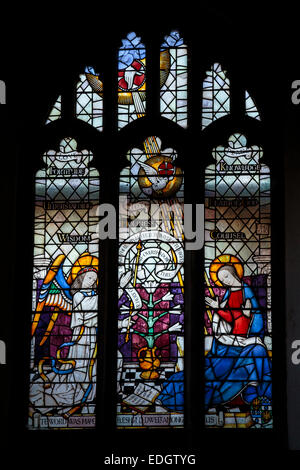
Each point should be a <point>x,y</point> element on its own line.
<point>215,304</point>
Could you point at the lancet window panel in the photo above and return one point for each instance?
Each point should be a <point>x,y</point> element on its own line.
<point>65,291</point>
<point>131,80</point>
<point>89,98</point>
<point>173,79</point>
<point>215,95</point>
<point>151,290</point>
<point>237,319</point>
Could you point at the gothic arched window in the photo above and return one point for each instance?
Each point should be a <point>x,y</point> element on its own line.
<point>180,309</point>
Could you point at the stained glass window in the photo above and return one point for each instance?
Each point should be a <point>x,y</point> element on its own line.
<point>173,79</point>
<point>216,95</point>
<point>151,290</point>
<point>150,264</point>
<point>55,112</point>
<point>131,80</point>
<point>65,291</point>
<point>89,101</point>
<point>251,109</point>
<point>238,325</point>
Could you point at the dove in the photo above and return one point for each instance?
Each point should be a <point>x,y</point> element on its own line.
<point>157,182</point>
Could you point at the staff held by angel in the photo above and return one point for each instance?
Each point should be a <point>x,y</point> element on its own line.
<point>66,382</point>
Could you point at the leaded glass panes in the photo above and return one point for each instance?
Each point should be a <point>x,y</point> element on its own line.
<point>237,255</point>
<point>65,291</point>
<point>216,95</point>
<point>131,80</point>
<point>173,79</point>
<point>151,290</point>
<point>89,98</point>
<point>55,112</point>
<point>238,324</point>
<point>251,109</point>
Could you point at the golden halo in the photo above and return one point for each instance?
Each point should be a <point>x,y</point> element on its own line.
<point>223,260</point>
<point>84,261</point>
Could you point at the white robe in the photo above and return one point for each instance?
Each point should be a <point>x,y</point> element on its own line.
<point>69,389</point>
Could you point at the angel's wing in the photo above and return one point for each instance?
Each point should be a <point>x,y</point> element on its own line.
<point>55,292</point>
<point>149,170</point>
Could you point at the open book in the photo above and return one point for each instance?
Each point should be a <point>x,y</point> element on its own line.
<point>142,397</point>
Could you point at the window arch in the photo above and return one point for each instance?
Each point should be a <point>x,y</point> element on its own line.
<point>89,98</point>
<point>173,78</point>
<point>132,73</point>
<point>217,135</point>
<point>216,95</point>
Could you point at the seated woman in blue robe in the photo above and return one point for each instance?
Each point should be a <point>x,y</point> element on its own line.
<point>238,361</point>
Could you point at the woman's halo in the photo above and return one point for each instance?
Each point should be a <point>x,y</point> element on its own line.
<point>224,260</point>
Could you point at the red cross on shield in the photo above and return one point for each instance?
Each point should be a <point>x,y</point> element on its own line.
<point>138,72</point>
<point>166,169</point>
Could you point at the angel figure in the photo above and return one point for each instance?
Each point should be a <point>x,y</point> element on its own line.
<point>70,382</point>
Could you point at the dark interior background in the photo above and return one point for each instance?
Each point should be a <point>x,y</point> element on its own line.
<point>38,59</point>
